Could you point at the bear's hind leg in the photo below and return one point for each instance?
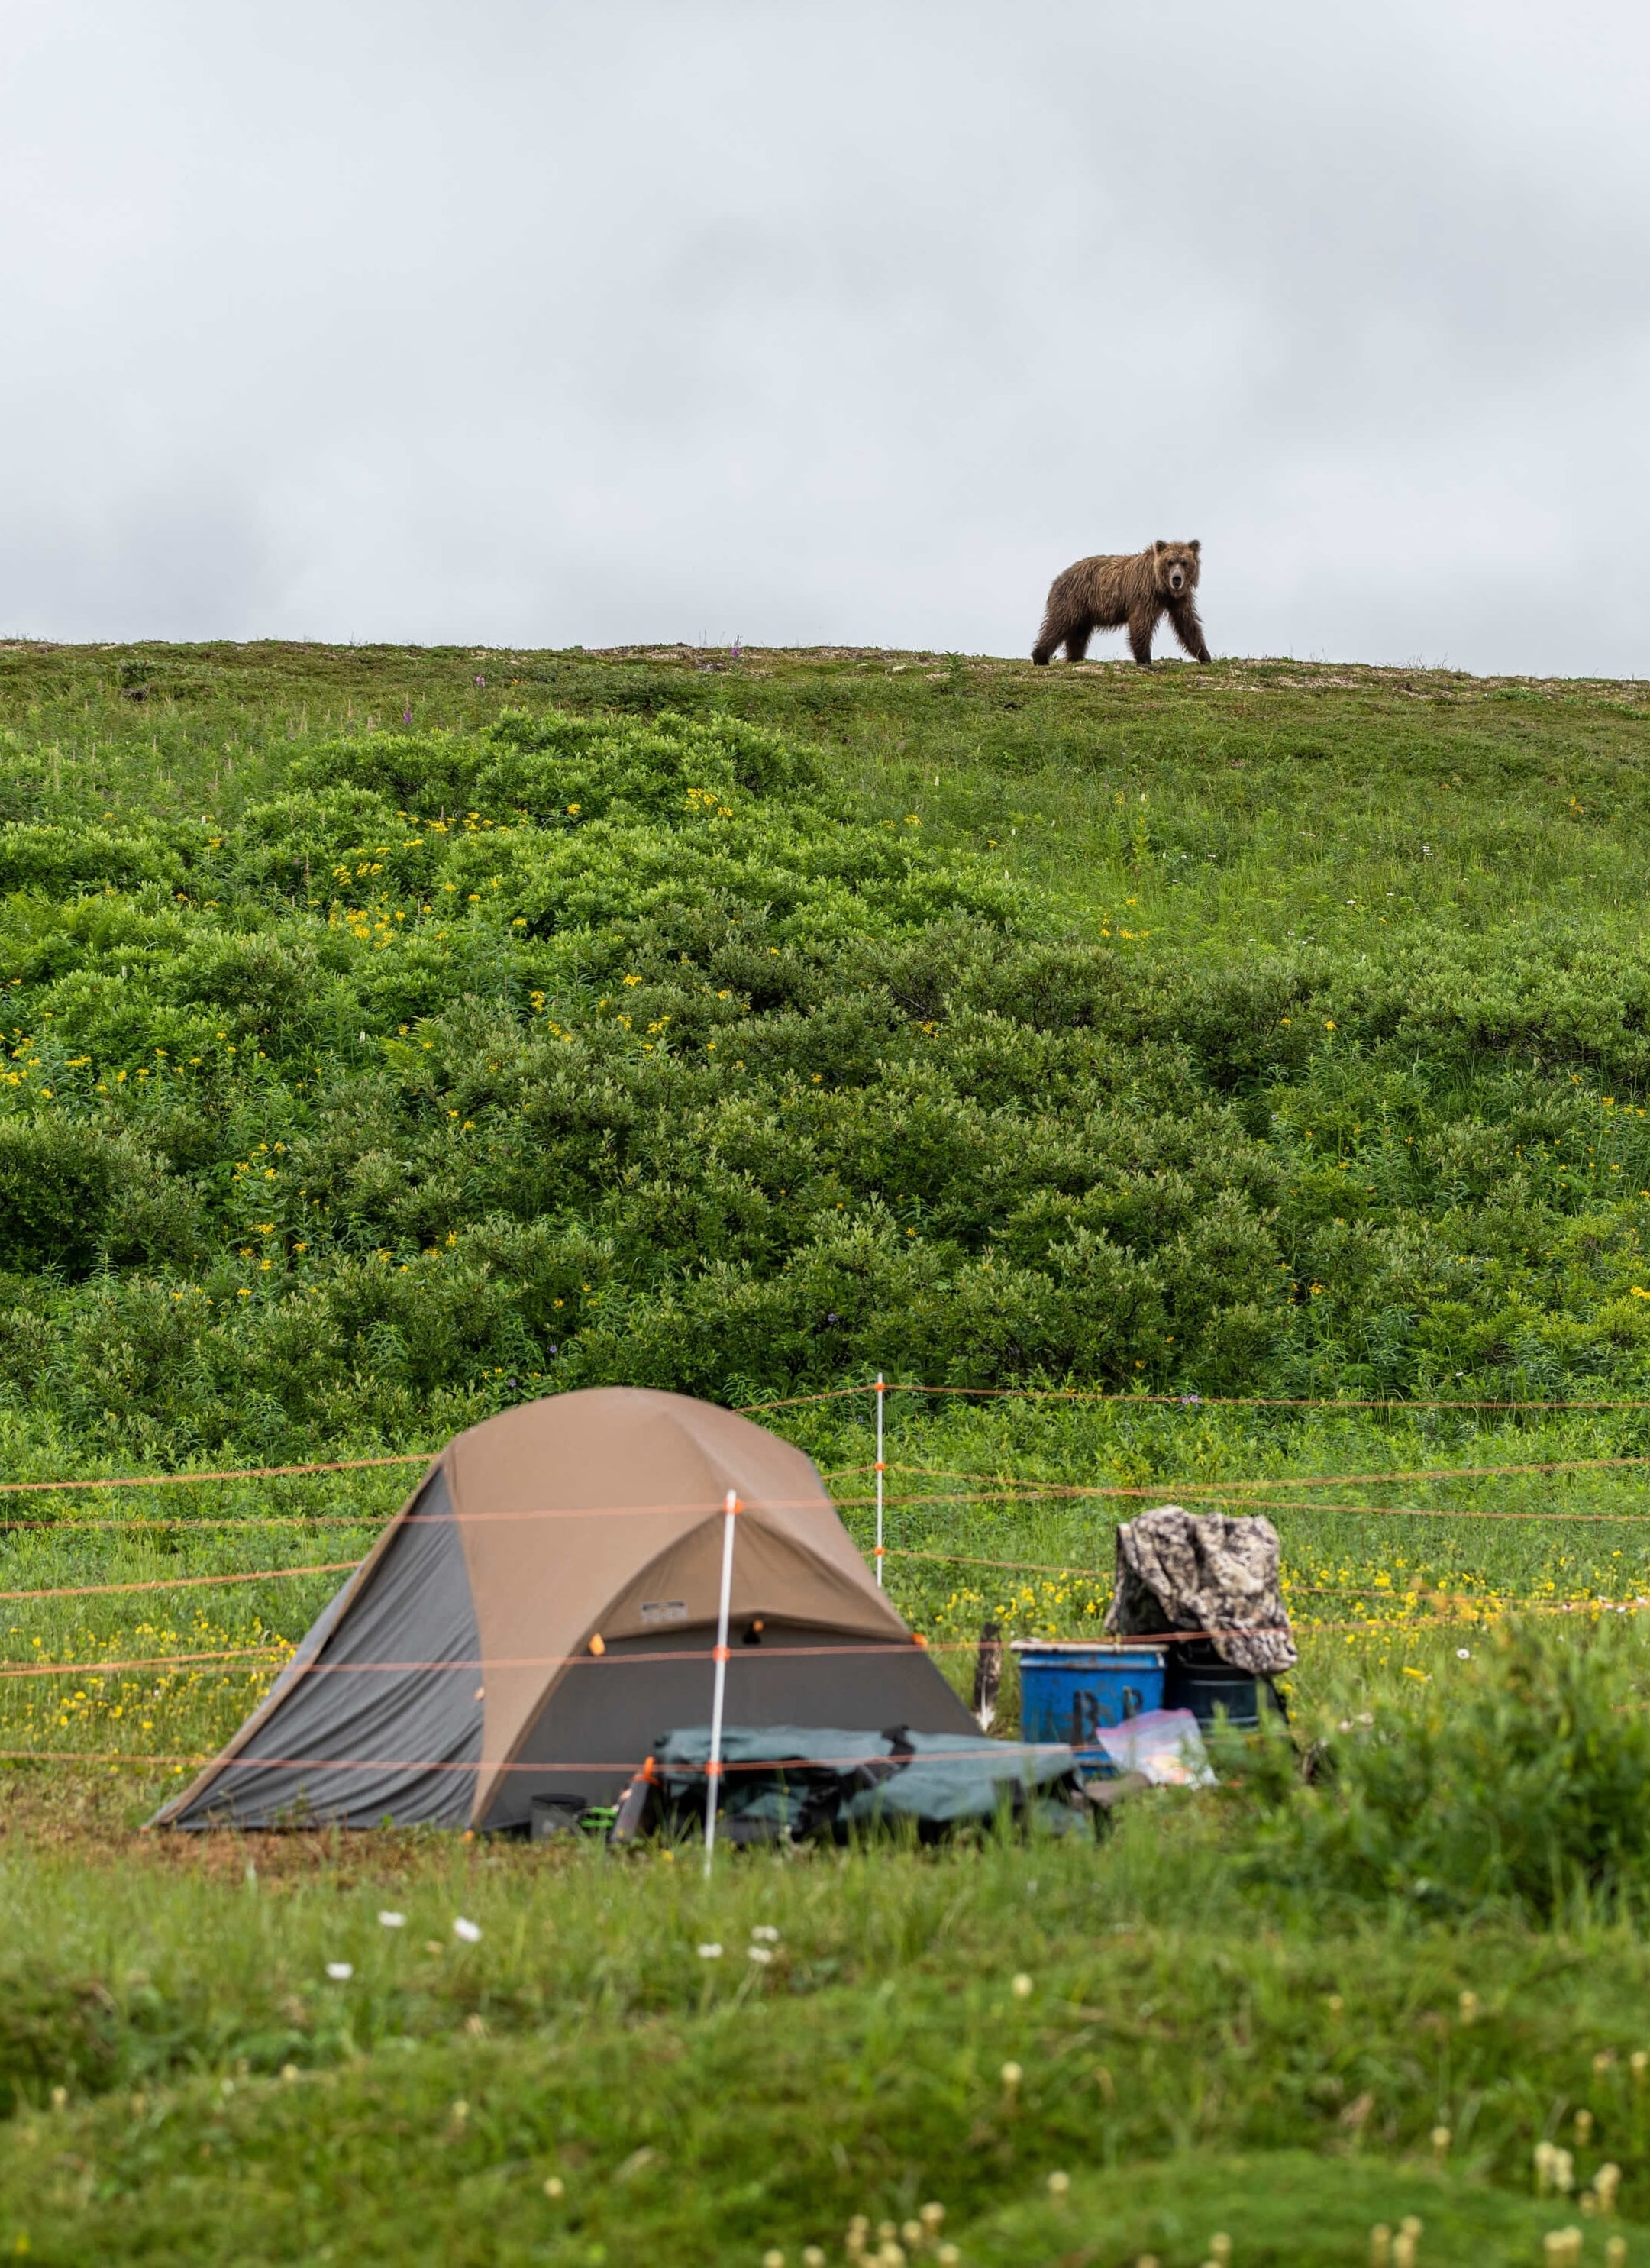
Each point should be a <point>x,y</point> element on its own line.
<point>1076,640</point>
<point>1047,639</point>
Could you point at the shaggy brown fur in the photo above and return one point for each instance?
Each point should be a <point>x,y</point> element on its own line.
<point>1139,588</point>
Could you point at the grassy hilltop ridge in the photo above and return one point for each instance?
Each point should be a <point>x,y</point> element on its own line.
<point>392,1033</point>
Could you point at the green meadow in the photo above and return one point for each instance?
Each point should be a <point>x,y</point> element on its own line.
<point>1224,1087</point>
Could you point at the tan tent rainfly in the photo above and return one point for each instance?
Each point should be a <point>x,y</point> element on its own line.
<point>544,1608</point>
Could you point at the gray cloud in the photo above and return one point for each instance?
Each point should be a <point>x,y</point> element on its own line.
<point>558,323</point>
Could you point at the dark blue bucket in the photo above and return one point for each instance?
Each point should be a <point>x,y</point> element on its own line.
<point>1068,1693</point>
<point>1209,1688</point>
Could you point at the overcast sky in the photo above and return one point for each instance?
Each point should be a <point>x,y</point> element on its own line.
<point>591,322</point>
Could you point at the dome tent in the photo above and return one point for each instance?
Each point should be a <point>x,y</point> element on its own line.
<point>544,1608</point>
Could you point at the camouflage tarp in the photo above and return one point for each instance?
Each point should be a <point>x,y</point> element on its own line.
<point>1199,1571</point>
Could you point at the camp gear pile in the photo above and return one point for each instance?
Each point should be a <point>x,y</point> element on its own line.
<point>784,1782</point>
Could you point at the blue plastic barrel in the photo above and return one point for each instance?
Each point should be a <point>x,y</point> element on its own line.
<point>1068,1693</point>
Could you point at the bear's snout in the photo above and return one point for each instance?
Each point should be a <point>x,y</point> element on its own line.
<point>1176,578</point>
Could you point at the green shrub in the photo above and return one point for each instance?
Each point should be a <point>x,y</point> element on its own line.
<point>611,1046</point>
<point>1523,1782</point>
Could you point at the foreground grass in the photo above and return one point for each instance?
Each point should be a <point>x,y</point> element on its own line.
<point>1281,2209</point>
<point>227,2100</point>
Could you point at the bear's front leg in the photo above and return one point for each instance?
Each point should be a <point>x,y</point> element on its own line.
<point>1189,629</point>
<point>1141,625</point>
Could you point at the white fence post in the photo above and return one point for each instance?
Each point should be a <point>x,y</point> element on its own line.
<point>881,1392</point>
<point>713,1769</point>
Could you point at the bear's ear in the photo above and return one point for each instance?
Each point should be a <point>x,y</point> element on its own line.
<point>1160,545</point>
<point>1195,546</point>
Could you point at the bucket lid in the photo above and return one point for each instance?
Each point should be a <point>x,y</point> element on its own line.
<point>1119,1647</point>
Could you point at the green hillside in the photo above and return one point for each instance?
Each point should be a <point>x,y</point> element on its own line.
<point>386,1026</point>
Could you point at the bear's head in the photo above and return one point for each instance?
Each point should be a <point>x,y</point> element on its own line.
<point>1176,565</point>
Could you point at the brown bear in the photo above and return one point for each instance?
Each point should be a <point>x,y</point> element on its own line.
<point>1139,588</point>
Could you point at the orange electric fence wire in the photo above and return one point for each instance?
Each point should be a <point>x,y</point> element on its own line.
<point>1391,1478</point>
<point>218,1656</point>
<point>1030,1492</point>
<point>949,1558</point>
<point>184,1582</point>
<point>1435,1622</point>
<point>894,1551</point>
<point>989,1748</point>
<point>607,1663</point>
<point>361,1519</point>
<point>1029,1495</point>
<point>837,1393</point>
<point>1189,1401</point>
<point>1443,1512</point>
<point>1008,1491</point>
<point>243,1473</point>
<point>1007,1487</point>
<point>427,1457</point>
<point>194,1525</point>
